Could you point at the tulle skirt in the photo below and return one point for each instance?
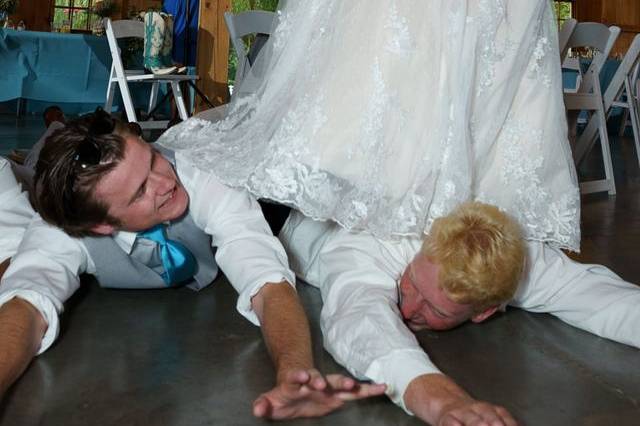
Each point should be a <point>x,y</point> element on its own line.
<point>384,115</point>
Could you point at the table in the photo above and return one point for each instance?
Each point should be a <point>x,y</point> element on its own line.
<point>70,70</point>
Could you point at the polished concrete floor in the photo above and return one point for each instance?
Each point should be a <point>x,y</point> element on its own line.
<point>175,357</point>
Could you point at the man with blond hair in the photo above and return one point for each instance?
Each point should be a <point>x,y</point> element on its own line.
<point>472,263</point>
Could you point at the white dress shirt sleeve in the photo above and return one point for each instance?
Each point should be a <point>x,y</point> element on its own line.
<point>360,318</point>
<point>45,272</point>
<point>15,212</point>
<point>247,252</point>
<point>589,297</point>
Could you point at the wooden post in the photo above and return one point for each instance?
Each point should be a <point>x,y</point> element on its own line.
<point>213,52</point>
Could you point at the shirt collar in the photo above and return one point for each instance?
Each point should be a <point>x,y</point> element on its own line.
<point>125,240</point>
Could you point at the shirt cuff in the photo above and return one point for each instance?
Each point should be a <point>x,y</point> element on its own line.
<point>244,299</point>
<point>46,308</point>
<point>398,369</point>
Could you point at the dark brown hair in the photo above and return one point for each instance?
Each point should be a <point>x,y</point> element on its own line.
<point>64,188</point>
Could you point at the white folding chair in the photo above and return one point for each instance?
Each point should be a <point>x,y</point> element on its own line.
<point>588,96</point>
<point>121,77</point>
<point>629,100</point>
<point>241,25</point>
<point>563,36</point>
<point>622,92</point>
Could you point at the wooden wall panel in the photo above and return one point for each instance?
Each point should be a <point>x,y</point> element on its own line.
<point>213,52</point>
<point>623,13</point>
<point>588,10</point>
<point>35,13</point>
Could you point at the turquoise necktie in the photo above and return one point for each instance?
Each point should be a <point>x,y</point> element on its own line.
<point>178,262</point>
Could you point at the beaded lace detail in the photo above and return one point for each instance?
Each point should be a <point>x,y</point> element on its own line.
<point>383,116</point>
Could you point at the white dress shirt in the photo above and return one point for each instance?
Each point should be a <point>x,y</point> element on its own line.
<point>15,211</point>
<point>46,269</point>
<point>358,278</point>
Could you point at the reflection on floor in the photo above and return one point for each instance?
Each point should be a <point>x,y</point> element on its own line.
<point>175,357</point>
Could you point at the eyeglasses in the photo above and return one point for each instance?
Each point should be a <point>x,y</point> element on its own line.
<point>88,152</point>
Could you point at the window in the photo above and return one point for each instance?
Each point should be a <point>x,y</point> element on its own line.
<point>564,10</point>
<point>77,13</point>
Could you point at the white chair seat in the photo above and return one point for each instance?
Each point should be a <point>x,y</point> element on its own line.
<point>158,78</point>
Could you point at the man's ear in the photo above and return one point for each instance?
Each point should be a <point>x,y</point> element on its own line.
<point>103,229</point>
<point>484,314</point>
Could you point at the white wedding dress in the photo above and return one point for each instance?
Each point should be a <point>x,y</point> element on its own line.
<point>385,114</point>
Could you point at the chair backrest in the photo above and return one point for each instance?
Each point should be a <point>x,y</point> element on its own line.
<point>120,29</point>
<point>599,37</point>
<point>241,25</point>
<point>126,28</point>
<point>629,64</point>
<point>628,67</point>
<point>564,34</point>
<point>635,81</point>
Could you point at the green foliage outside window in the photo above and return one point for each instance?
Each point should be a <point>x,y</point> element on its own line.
<point>563,11</point>
<point>78,13</point>
<point>242,5</point>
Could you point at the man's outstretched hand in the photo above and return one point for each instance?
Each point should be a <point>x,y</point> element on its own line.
<point>437,400</point>
<point>306,393</point>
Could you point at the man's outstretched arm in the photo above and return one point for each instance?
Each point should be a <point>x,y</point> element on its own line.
<point>437,400</point>
<point>21,330</point>
<point>364,331</point>
<point>256,265</point>
<point>300,391</point>
<point>590,297</point>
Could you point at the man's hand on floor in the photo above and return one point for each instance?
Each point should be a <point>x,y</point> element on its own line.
<point>473,412</point>
<point>306,393</point>
<point>439,401</point>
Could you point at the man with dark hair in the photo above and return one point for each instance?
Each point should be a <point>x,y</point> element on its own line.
<point>141,223</point>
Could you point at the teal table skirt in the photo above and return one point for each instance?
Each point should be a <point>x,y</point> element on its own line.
<point>70,70</point>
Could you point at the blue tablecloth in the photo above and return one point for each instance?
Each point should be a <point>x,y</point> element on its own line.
<point>71,70</point>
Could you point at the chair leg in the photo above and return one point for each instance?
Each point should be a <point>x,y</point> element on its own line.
<point>623,122</point>
<point>606,151</point>
<point>153,98</point>
<point>179,99</point>
<point>585,142</point>
<point>111,90</point>
<point>634,114</point>
<point>127,100</point>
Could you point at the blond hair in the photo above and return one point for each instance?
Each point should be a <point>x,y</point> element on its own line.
<point>480,251</point>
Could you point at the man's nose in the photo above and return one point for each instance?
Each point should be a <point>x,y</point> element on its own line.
<point>162,183</point>
<point>409,309</point>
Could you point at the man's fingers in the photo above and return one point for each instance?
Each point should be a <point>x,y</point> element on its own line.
<point>506,416</point>
<point>493,415</point>
<point>318,383</point>
<point>338,382</point>
<point>261,407</point>
<point>362,391</point>
<point>297,377</point>
<point>479,414</point>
